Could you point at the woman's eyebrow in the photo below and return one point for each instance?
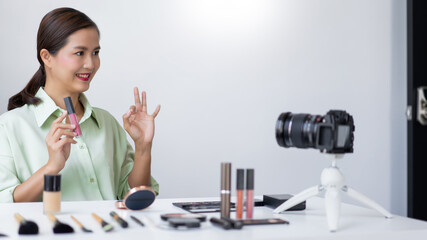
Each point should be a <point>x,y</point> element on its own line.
<point>85,48</point>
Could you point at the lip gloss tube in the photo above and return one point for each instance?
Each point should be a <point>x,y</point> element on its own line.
<point>249,193</point>
<point>239,190</point>
<point>72,115</point>
<point>225,189</point>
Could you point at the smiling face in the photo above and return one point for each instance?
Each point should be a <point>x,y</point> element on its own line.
<point>73,67</point>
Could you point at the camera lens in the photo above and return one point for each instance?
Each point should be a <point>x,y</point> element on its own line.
<point>297,130</point>
<point>332,133</point>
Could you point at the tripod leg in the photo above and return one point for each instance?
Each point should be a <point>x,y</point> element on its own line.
<point>300,197</point>
<point>332,206</point>
<point>364,199</point>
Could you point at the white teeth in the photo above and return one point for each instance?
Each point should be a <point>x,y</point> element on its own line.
<point>83,75</point>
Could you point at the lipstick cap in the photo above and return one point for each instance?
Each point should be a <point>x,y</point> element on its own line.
<point>69,105</point>
<point>240,179</point>
<point>52,183</point>
<point>250,179</point>
<point>225,176</point>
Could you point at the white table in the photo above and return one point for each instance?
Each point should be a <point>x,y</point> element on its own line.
<point>355,223</point>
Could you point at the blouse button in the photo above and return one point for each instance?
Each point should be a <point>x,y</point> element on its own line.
<point>92,180</point>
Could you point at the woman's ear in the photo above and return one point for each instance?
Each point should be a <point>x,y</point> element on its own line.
<point>46,57</point>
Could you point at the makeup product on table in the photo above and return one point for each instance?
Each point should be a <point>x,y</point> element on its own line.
<point>118,219</point>
<point>137,221</point>
<point>221,223</point>
<point>275,200</point>
<point>81,225</point>
<point>235,224</point>
<point>52,193</point>
<point>210,206</point>
<point>249,193</point>
<point>26,227</point>
<point>72,115</point>
<point>239,189</point>
<point>184,222</point>
<point>264,221</point>
<point>199,217</point>
<point>202,207</point>
<point>59,227</point>
<point>225,189</point>
<point>3,235</point>
<point>137,198</point>
<point>105,226</point>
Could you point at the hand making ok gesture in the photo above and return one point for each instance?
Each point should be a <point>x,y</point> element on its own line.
<point>138,123</point>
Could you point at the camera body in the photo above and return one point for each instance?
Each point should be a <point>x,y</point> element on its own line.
<point>331,133</point>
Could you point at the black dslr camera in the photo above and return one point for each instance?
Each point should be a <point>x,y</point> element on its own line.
<point>332,133</point>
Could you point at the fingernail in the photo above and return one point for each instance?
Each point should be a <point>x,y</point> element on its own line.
<point>73,126</point>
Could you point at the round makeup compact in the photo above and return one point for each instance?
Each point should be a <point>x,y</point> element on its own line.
<point>168,216</point>
<point>137,198</point>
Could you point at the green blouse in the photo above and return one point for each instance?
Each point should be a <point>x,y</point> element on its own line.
<point>98,165</point>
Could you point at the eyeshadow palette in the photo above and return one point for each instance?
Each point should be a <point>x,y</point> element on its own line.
<point>202,207</point>
<point>209,206</point>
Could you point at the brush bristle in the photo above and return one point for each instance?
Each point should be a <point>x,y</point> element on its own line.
<point>107,227</point>
<point>62,228</point>
<point>28,228</point>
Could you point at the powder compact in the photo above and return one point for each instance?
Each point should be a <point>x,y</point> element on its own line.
<point>138,198</point>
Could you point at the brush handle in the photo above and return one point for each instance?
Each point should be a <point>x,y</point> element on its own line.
<point>18,217</point>
<point>78,223</point>
<point>120,220</point>
<point>137,220</point>
<point>52,218</point>
<point>97,218</point>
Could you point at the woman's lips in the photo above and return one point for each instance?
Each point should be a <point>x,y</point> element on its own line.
<point>83,76</point>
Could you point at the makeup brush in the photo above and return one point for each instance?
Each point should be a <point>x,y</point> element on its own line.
<point>105,226</point>
<point>26,227</point>
<point>81,225</point>
<point>137,221</point>
<point>120,220</point>
<point>59,227</point>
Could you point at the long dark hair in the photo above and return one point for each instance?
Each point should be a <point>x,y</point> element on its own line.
<point>52,35</point>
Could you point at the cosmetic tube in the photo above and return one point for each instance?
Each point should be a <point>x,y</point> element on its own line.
<point>249,193</point>
<point>52,194</point>
<point>225,189</point>
<point>72,115</point>
<point>235,224</point>
<point>239,189</point>
<point>221,223</point>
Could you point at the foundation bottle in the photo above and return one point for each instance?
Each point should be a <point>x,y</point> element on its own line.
<point>52,194</point>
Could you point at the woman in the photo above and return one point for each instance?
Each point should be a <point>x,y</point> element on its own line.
<point>36,137</point>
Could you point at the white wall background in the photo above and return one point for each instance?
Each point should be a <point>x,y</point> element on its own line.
<point>224,70</point>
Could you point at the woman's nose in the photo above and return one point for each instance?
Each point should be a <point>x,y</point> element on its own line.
<point>89,62</point>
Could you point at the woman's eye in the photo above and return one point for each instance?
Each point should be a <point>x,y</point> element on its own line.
<point>96,53</point>
<point>79,53</point>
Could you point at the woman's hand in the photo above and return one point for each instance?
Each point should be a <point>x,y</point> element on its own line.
<point>138,123</point>
<point>58,141</point>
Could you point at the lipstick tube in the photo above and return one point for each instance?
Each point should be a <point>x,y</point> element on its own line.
<point>225,189</point>
<point>72,115</point>
<point>239,190</point>
<point>249,193</point>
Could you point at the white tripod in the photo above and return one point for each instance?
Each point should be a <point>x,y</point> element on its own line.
<point>332,181</point>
